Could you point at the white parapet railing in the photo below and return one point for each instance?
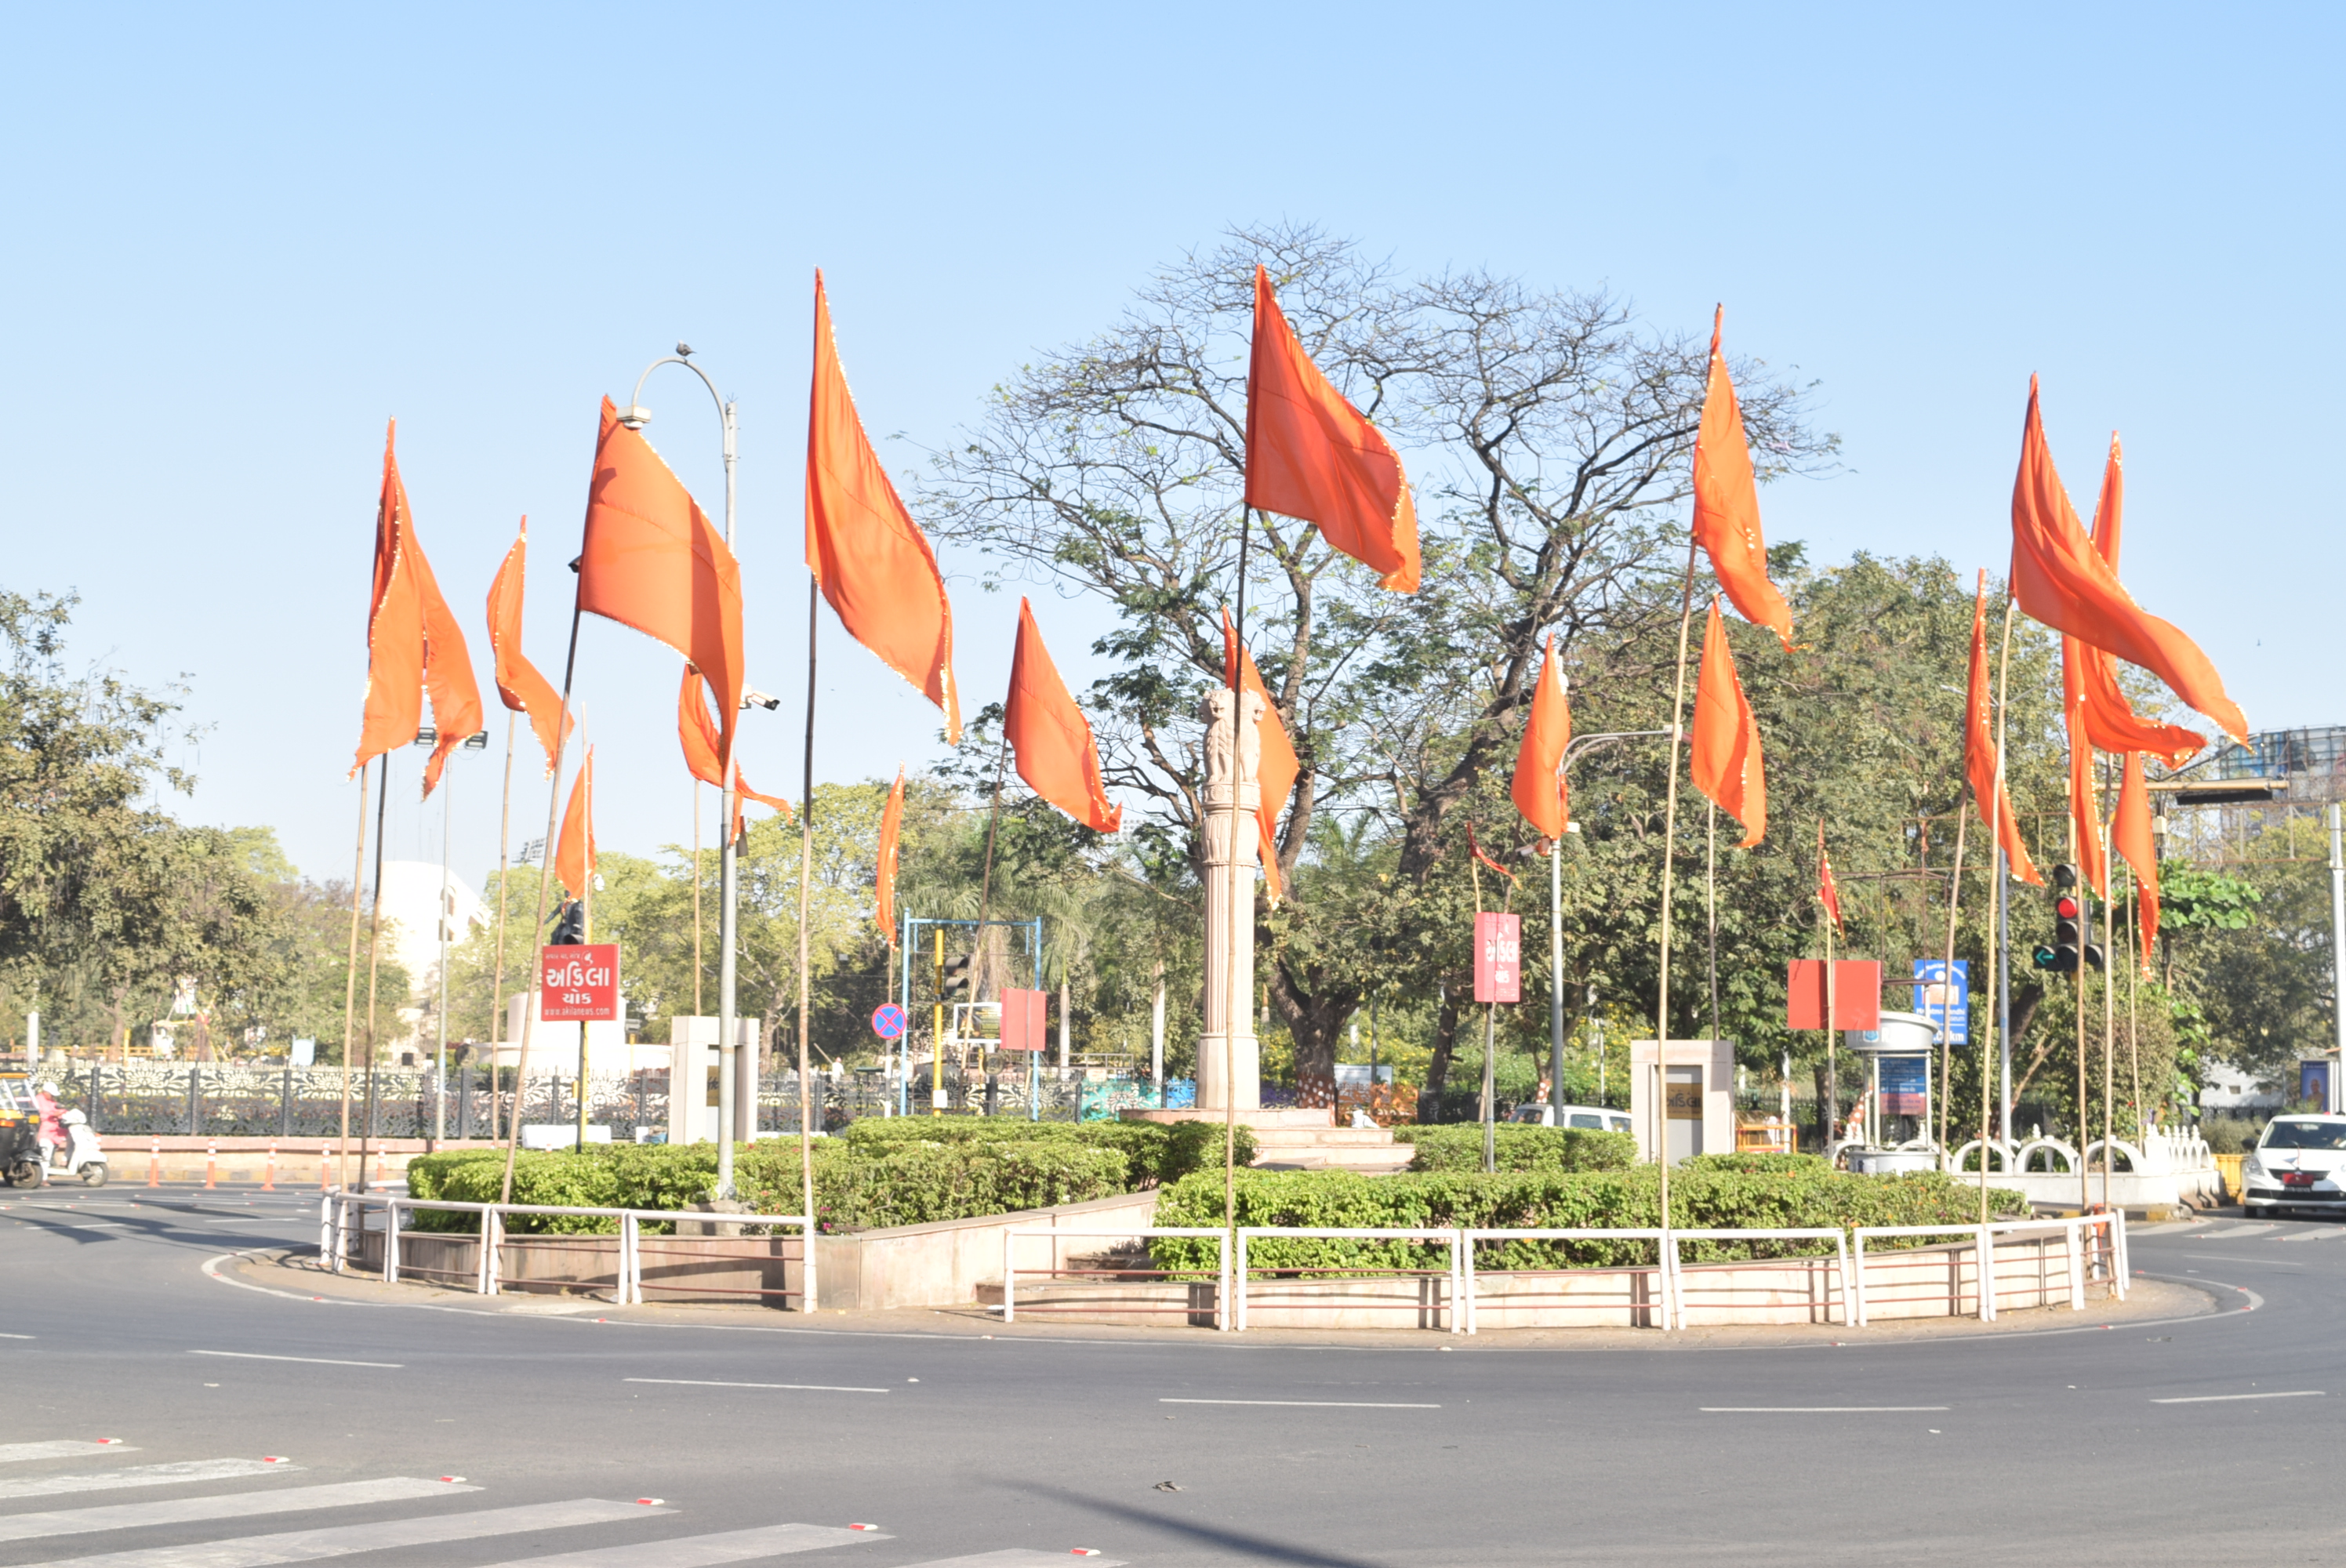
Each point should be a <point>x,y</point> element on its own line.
<point>1010,1239</point>
<point>1670,1296</point>
<point>2095,1245</point>
<point>1454,1277</point>
<point>338,1211</point>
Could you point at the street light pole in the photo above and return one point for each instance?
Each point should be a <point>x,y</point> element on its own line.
<point>1555,920</point>
<point>636,418</point>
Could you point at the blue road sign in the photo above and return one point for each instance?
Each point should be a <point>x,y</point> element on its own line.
<point>888,1020</point>
<point>1930,999</point>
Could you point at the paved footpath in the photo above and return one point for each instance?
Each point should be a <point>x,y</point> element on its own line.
<point>181,1400</point>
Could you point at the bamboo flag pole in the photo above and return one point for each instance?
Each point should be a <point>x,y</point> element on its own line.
<point>1833,1020</point>
<point>1995,907</point>
<point>2110,1000</point>
<point>1710,901</point>
<point>1669,848</point>
<point>497,986</point>
<point>806,882</point>
<point>1232,1003</point>
<point>544,882</point>
<point>2133,976</point>
<point>350,985</point>
<point>2084,1107</point>
<point>374,959</point>
<point>1948,977</point>
<point>699,963</point>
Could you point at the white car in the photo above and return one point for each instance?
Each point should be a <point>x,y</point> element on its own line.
<point>2299,1163</point>
<point>1590,1118</point>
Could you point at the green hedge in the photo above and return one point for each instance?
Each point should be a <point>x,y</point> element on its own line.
<point>1518,1148</point>
<point>1759,1164</point>
<point>1157,1153</point>
<point>1700,1198</point>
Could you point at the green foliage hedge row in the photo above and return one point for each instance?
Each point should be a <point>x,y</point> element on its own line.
<point>1518,1148</point>
<point>1701,1197</point>
<point>1157,1153</point>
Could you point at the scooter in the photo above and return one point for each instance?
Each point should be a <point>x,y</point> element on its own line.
<point>79,1154</point>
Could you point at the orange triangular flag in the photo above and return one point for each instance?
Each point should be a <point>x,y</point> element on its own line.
<point>874,562</point>
<point>1726,758</point>
<point>2084,808</point>
<point>1979,748</point>
<point>1276,767</point>
<point>519,684</point>
<point>1539,788</point>
<point>1727,502</point>
<point>891,824</point>
<point>697,733</point>
<point>1475,850</point>
<point>1049,737</point>
<point>653,562</point>
<point>448,675</point>
<point>394,689</point>
<point>2063,580</point>
<point>2131,834</point>
<point>574,851</point>
<point>1828,890</point>
<point>1310,454</point>
<point>2111,722</point>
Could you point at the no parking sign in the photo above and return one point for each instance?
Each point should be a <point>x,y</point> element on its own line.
<point>888,1020</point>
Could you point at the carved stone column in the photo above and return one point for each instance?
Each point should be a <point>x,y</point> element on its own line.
<point>1230,931</point>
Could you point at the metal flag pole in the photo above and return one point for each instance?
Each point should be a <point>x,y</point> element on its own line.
<point>498,987</point>
<point>806,878</point>
<point>2003,945</point>
<point>2337,948</point>
<point>351,986</point>
<point>1233,1003</point>
<point>375,957</point>
<point>1555,978</point>
<point>1669,848</point>
<point>1947,978</point>
<point>439,1088</point>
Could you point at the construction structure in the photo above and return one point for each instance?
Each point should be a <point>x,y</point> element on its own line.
<point>2235,805</point>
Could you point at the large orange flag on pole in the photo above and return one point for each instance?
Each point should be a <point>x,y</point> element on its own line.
<point>1539,788</point>
<point>574,853</point>
<point>891,824</point>
<point>872,560</point>
<point>2085,809</point>
<point>2111,722</point>
<point>1727,502</point>
<point>520,687</point>
<point>394,689</point>
<point>1979,750</point>
<point>2131,834</point>
<point>1277,768</point>
<point>695,732</point>
<point>1050,737</point>
<point>448,675</point>
<point>653,562</point>
<point>1310,454</point>
<point>2063,580</point>
<point>1726,760</point>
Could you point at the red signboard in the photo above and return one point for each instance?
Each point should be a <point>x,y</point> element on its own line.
<point>1022,1019</point>
<point>1498,958</point>
<point>1857,994</point>
<point>579,982</point>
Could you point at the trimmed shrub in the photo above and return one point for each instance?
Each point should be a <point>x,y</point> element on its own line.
<point>1156,1153</point>
<point>1757,1164</point>
<point>1519,1148</point>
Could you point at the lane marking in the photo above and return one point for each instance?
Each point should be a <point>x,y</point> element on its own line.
<point>2255,1300</point>
<point>311,1360</point>
<point>713,1383</point>
<point>702,1551</point>
<point>2227,1258</point>
<point>2224,1399</point>
<point>16,1336</point>
<point>235,1505</point>
<point>1326,1404</point>
<point>64,1448</point>
<point>1020,1557</point>
<point>1813,1410</point>
<point>138,1475</point>
<point>341,1540</point>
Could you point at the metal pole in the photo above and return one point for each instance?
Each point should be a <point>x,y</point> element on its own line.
<point>1554,980</point>
<point>2003,991</point>
<point>497,986</point>
<point>440,1075</point>
<point>375,954</point>
<point>350,989</point>
<point>729,883</point>
<point>2338,948</point>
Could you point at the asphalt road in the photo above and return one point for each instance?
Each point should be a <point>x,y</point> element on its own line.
<point>767,1438</point>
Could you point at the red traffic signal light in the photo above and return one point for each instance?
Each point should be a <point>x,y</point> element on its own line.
<point>2065,907</point>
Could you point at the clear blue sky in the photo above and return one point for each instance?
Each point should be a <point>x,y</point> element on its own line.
<point>238,239</point>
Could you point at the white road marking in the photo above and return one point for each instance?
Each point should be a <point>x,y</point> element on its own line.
<point>235,1505</point>
<point>137,1475</point>
<point>16,1336</point>
<point>703,1550</point>
<point>341,1540</point>
<point>311,1360</point>
<point>2227,1258</point>
<point>66,1448</point>
<point>1813,1410</point>
<point>1015,1557</point>
<point>2224,1399</point>
<point>713,1383</point>
<point>1329,1404</point>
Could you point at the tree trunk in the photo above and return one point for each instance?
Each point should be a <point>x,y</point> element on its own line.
<point>1445,1038</point>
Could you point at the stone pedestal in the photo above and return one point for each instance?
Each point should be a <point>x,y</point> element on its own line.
<point>1229,1059</point>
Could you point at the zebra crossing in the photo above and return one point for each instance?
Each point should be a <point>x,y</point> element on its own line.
<point>403,1538</point>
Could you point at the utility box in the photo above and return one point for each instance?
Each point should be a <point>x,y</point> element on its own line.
<point>694,1061</point>
<point>1697,1085</point>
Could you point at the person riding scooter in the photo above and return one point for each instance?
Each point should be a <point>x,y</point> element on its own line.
<point>52,1134</point>
<point>77,1153</point>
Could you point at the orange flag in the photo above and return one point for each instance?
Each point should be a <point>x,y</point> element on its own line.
<point>1049,736</point>
<point>892,823</point>
<point>574,851</point>
<point>2130,835</point>
<point>1476,851</point>
<point>2062,581</point>
<point>1979,748</point>
<point>653,562</point>
<point>2085,812</point>
<point>519,684</point>
<point>1310,454</point>
<point>2111,722</point>
<point>1539,788</point>
<point>394,690</point>
<point>697,733</point>
<point>1276,768</point>
<point>1726,758</point>
<point>447,675</point>
<point>1827,889</point>
<point>872,560</point>
<point>1727,502</point>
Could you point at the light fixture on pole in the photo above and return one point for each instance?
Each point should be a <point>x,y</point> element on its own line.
<point>635,417</point>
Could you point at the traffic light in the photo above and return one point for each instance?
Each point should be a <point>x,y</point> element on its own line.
<point>952,975</point>
<point>2068,924</point>
<point>569,926</point>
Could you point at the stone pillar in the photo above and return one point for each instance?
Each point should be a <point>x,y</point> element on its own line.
<point>1229,931</point>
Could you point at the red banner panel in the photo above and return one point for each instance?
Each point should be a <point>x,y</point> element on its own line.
<point>1024,1017</point>
<point>579,982</point>
<point>1857,994</point>
<point>1498,958</point>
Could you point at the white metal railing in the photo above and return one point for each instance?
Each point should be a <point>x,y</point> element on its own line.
<point>2109,1255</point>
<point>1669,1301</point>
<point>1453,1239</point>
<point>336,1211</point>
<point>1010,1238</point>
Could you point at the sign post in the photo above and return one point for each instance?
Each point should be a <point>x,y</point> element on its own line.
<point>579,982</point>
<point>1498,977</point>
